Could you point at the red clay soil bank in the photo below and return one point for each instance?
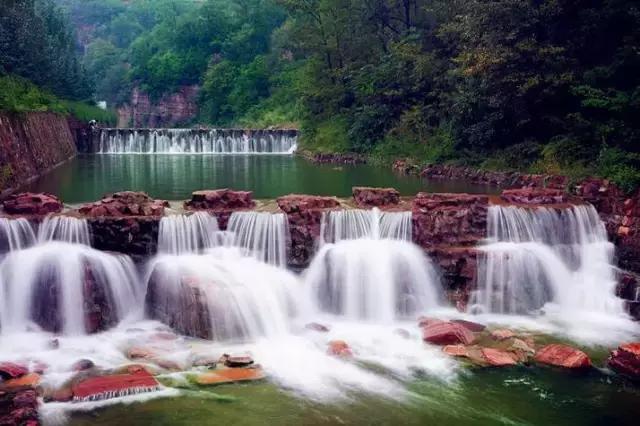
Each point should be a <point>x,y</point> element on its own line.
<point>31,144</point>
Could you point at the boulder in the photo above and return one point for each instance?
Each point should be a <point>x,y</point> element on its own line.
<point>563,356</point>
<point>30,380</point>
<point>449,219</point>
<point>456,350</point>
<point>220,199</point>
<point>447,333</point>
<point>367,197</point>
<point>29,203</point>
<point>113,386</point>
<point>236,361</point>
<point>498,358</point>
<point>339,348</point>
<point>502,334</point>
<point>230,375</point>
<point>124,204</point>
<point>626,360</point>
<point>10,370</point>
<point>471,326</point>
<point>535,196</point>
<point>19,407</point>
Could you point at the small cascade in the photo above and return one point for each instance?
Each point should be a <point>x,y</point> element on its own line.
<point>222,295</point>
<point>180,234</point>
<point>66,229</point>
<point>15,234</point>
<point>545,257</point>
<point>196,141</point>
<point>377,280</point>
<point>354,224</point>
<point>263,235</point>
<point>68,288</point>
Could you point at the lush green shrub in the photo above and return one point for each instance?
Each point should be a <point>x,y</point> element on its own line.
<point>621,167</point>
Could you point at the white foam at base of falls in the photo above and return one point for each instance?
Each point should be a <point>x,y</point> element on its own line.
<point>29,276</point>
<point>374,280</point>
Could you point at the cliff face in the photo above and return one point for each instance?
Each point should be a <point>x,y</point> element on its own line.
<point>31,144</point>
<point>169,111</point>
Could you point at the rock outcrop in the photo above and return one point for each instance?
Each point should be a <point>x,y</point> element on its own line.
<point>304,213</point>
<point>626,360</point>
<point>367,197</point>
<point>31,144</point>
<point>221,202</point>
<point>535,196</point>
<point>19,407</point>
<point>31,204</point>
<point>447,333</point>
<point>171,110</point>
<point>124,204</point>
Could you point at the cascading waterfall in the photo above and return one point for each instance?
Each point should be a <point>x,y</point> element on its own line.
<point>195,141</point>
<point>544,256</point>
<point>222,294</point>
<point>66,229</point>
<point>263,235</point>
<point>15,234</point>
<point>58,287</point>
<point>354,224</point>
<point>180,234</point>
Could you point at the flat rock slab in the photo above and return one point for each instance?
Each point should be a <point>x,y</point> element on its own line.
<point>230,375</point>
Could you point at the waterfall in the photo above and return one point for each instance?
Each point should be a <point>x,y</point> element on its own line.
<point>66,229</point>
<point>545,257</point>
<point>66,287</point>
<point>180,234</point>
<point>263,235</point>
<point>15,234</point>
<point>354,224</point>
<point>222,294</point>
<point>195,141</point>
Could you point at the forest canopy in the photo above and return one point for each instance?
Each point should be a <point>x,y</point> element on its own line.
<point>539,85</point>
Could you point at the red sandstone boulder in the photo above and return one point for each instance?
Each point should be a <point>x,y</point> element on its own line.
<point>534,196</point>
<point>447,333</point>
<point>220,199</point>
<point>28,203</point>
<point>122,204</point>
<point>10,370</point>
<point>456,350</point>
<point>296,203</point>
<point>502,334</point>
<point>375,197</point>
<point>498,358</point>
<point>471,326</point>
<point>339,348</point>
<point>563,356</point>
<point>104,387</point>
<point>626,360</point>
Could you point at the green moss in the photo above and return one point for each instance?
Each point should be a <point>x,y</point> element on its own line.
<point>6,175</point>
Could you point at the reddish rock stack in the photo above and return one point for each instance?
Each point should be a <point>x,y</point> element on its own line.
<point>221,202</point>
<point>19,407</point>
<point>366,197</point>
<point>449,219</point>
<point>563,356</point>
<point>124,204</point>
<point>536,196</point>
<point>626,360</point>
<point>32,204</point>
<point>304,213</point>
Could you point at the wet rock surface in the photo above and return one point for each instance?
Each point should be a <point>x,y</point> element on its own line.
<point>221,202</point>
<point>626,360</point>
<point>563,356</point>
<point>31,204</point>
<point>124,204</point>
<point>19,407</point>
<point>135,236</point>
<point>367,197</point>
<point>447,333</point>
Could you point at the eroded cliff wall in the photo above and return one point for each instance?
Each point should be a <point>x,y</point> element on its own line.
<point>31,144</point>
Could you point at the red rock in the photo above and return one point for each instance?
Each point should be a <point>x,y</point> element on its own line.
<point>124,204</point>
<point>230,375</point>
<point>28,380</point>
<point>28,203</point>
<point>375,197</point>
<point>563,356</point>
<point>339,348</point>
<point>236,361</point>
<point>10,370</point>
<point>447,333</point>
<point>104,387</point>
<point>626,360</point>
<point>498,358</point>
<point>220,199</point>
<point>534,196</point>
<point>456,350</point>
<point>469,325</point>
<point>142,352</point>
<point>296,203</point>
<point>19,407</point>
<point>502,334</point>
<point>426,321</point>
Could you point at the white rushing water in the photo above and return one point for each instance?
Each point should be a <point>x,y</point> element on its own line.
<point>180,234</point>
<point>45,286</point>
<point>263,235</point>
<point>193,141</point>
<point>15,234</point>
<point>545,255</point>
<point>66,229</point>
<point>354,224</point>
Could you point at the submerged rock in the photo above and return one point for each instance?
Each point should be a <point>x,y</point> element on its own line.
<point>563,356</point>
<point>447,333</point>
<point>314,326</point>
<point>29,203</point>
<point>339,348</point>
<point>626,360</point>
<point>82,365</point>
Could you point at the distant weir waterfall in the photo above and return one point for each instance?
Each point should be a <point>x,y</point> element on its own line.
<point>541,256</point>
<point>195,141</point>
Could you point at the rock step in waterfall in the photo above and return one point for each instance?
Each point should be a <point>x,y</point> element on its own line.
<point>195,141</point>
